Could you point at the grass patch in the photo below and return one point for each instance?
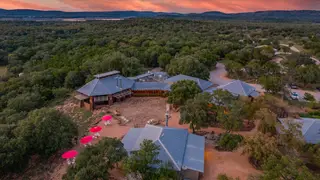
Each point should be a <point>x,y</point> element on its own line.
<point>3,70</point>
<point>315,114</point>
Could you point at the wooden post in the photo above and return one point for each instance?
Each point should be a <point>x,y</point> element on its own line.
<point>110,99</point>
<point>91,103</point>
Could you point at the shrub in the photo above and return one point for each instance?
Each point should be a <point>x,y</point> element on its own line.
<point>229,142</point>
<point>315,114</point>
<point>308,97</point>
<point>61,92</point>
<point>225,177</point>
<point>314,105</point>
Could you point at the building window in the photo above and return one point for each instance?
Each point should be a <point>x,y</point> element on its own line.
<point>100,98</point>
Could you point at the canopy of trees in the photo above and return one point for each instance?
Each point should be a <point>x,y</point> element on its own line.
<point>96,161</point>
<point>141,164</point>
<point>196,112</point>
<point>43,132</point>
<point>183,90</point>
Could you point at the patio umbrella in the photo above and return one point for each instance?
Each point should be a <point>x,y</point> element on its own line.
<point>107,119</point>
<point>70,156</point>
<point>86,140</point>
<point>96,131</point>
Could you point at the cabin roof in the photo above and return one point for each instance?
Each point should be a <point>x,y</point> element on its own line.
<point>241,88</point>
<point>103,75</point>
<point>310,128</point>
<point>203,84</point>
<point>183,150</point>
<point>151,86</point>
<point>106,85</point>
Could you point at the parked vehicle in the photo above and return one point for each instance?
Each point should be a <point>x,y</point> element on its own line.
<point>293,86</point>
<point>294,95</point>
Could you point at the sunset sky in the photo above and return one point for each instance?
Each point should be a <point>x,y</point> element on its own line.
<point>183,6</point>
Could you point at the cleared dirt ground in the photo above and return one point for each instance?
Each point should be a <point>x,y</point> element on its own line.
<point>139,110</point>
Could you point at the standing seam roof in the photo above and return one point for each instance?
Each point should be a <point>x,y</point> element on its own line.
<point>179,149</point>
<point>203,84</point>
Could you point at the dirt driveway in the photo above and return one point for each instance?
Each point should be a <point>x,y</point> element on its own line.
<point>234,164</point>
<point>231,163</point>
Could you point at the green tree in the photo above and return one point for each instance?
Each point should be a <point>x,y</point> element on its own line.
<point>260,147</point>
<point>13,154</point>
<point>222,97</point>
<point>229,142</point>
<point>38,130</point>
<point>25,102</point>
<point>183,90</point>
<point>188,65</point>
<point>164,59</point>
<point>128,66</point>
<point>225,177</point>
<point>286,168</point>
<point>196,112</point>
<point>96,161</point>
<point>207,57</point>
<point>271,69</point>
<point>143,162</point>
<point>231,119</point>
<point>309,97</point>
<point>74,79</point>
<point>268,121</point>
<point>290,139</point>
<point>272,84</point>
<point>254,68</point>
<point>234,69</point>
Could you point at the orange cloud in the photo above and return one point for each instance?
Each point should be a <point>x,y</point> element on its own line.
<point>193,5</point>
<point>16,4</point>
<point>164,5</point>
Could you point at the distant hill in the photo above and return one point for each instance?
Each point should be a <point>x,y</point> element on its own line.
<point>303,15</point>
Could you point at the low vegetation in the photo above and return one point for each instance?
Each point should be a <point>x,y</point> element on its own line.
<point>142,164</point>
<point>96,161</point>
<point>229,142</point>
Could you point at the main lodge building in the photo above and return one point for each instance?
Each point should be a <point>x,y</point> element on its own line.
<point>111,87</point>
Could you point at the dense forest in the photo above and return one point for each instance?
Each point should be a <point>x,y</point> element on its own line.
<point>45,61</point>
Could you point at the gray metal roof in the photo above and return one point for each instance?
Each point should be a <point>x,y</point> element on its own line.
<point>241,88</point>
<point>203,84</point>
<point>310,128</point>
<point>111,73</point>
<point>81,97</point>
<point>148,74</point>
<point>177,146</point>
<point>193,157</point>
<point>150,86</point>
<point>106,85</point>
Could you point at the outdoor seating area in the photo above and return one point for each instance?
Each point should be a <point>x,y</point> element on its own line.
<point>70,156</point>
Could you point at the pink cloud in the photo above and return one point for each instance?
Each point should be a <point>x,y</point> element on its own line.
<point>17,4</point>
<point>166,5</point>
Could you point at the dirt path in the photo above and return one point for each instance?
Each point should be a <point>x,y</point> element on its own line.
<point>233,164</point>
<point>219,77</point>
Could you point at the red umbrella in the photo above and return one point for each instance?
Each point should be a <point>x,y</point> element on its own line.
<point>95,129</point>
<point>86,139</point>
<point>70,154</point>
<point>107,118</point>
